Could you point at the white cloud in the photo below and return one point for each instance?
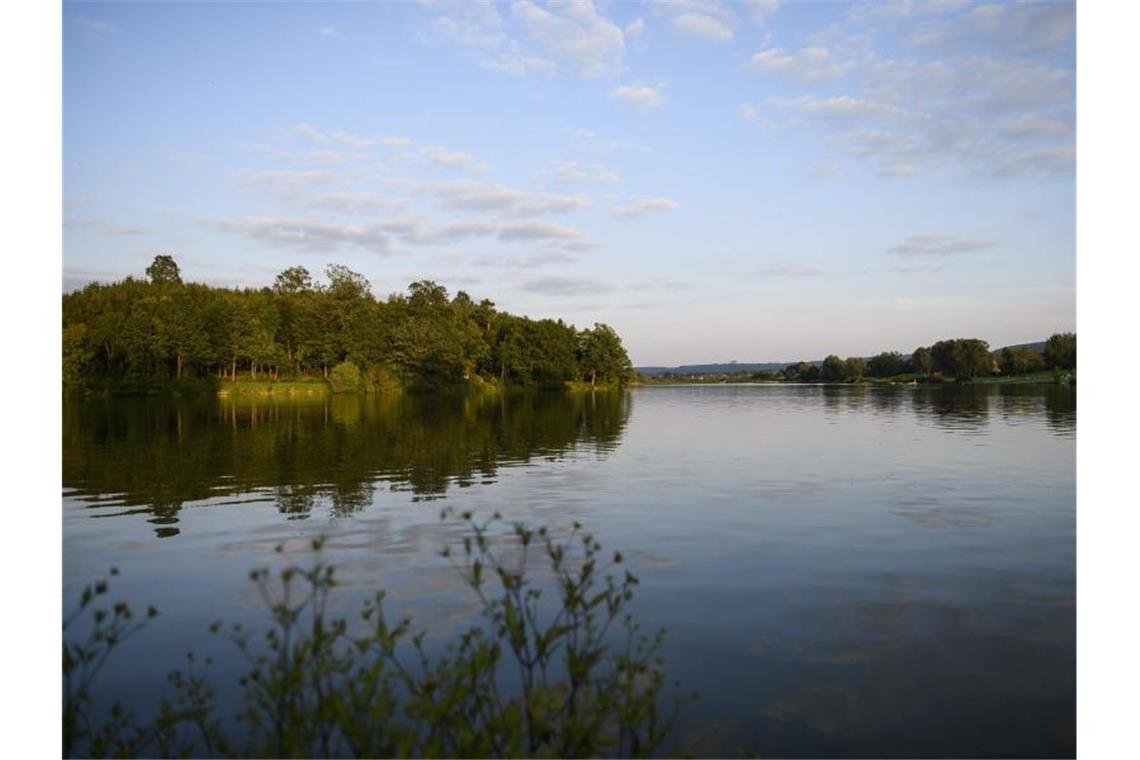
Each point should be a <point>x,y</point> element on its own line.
<point>593,141</point>
<point>635,27</point>
<point>351,203</point>
<point>574,34</point>
<point>123,230</point>
<point>567,35</point>
<point>395,142</point>
<point>706,20</point>
<point>998,116</point>
<point>507,231</point>
<point>474,25</point>
<point>760,10</point>
<point>565,286</point>
<point>838,106</point>
<point>376,237</point>
<point>703,27</point>
<point>309,235</point>
<point>292,179</point>
<point>534,231</point>
<point>809,64</point>
<point>773,271</point>
<point>572,173</point>
<point>637,207</point>
<point>351,140</point>
<point>452,159</point>
<point>904,9</point>
<point>525,261</point>
<point>938,245</point>
<point>1026,27</point>
<point>1060,159</point>
<point>327,31</point>
<point>327,157</point>
<point>519,64</point>
<point>469,195</point>
<point>309,132</point>
<point>639,97</point>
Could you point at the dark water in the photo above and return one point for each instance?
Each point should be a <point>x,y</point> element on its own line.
<point>884,571</point>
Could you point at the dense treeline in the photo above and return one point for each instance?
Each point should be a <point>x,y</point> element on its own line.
<point>963,359</point>
<point>960,358</point>
<point>137,335</point>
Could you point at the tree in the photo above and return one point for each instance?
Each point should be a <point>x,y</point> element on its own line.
<point>179,329</point>
<point>77,354</point>
<point>345,283</point>
<point>942,356</point>
<point>293,280</point>
<point>971,357</point>
<point>1061,351</point>
<point>601,354</point>
<point>129,335</point>
<point>164,269</point>
<point>425,294</point>
<point>855,369</point>
<point>886,364</point>
<point>923,360</point>
<point>802,372</point>
<point>834,369</point>
<point>1020,361</point>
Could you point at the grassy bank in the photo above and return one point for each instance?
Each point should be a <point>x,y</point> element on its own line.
<point>321,387</point>
<point>1045,376</point>
<point>579,386</point>
<point>312,387</point>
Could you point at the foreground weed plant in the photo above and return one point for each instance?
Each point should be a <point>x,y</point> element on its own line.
<point>557,667</point>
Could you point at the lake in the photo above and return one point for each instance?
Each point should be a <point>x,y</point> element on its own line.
<point>842,570</point>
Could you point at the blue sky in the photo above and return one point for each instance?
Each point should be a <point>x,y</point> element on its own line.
<point>718,181</point>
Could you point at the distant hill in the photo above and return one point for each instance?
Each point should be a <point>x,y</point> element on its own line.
<point>1039,346</point>
<point>726,368</point>
<point>731,368</point>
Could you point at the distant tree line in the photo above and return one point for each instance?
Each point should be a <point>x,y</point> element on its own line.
<point>139,334</point>
<point>961,358</point>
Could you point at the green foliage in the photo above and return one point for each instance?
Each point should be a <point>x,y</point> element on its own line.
<point>379,378</point>
<point>1021,361</point>
<point>923,360</point>
<point>558,667</point>
<point>164,270</point>
<point>345,378</point>
<point>1061,351</point>
<point>601,356</point>
<point>138,336</point>
<point>854,368</point>
<point>888,364</point>
<point>802,372</point>
<point>107,626</point>
<point>345,283</point>
<point>293,280</point>
<point>833,370</point>
<point>964,358</point>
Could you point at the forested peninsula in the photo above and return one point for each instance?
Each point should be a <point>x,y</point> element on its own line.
<point>160,334</point>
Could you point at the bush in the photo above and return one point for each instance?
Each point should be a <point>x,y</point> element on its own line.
<point>573,678</point>
<point>381,379</point>
<point>345,378</point>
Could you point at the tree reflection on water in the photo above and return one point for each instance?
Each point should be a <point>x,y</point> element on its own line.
<point>153,456</point>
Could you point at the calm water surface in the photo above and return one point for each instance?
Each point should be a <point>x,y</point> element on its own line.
<point>884,571</point>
